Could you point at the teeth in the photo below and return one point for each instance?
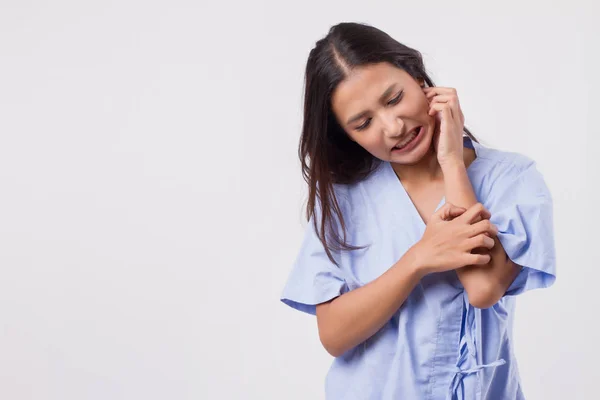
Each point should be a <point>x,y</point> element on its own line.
<point>405,141</point>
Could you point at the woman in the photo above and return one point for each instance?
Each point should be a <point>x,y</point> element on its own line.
<point>418,238</point>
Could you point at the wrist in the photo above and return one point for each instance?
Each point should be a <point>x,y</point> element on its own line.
<point>415,261</point>
<point>452,165</point>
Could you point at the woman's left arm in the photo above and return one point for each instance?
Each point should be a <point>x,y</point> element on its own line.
<point>485,284</point>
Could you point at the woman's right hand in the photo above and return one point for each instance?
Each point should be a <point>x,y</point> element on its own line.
<point>451,234</point>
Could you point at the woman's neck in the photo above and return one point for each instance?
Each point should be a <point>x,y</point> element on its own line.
<point>427,169</point>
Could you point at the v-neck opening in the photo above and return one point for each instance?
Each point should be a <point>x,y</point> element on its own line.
<point>467,142</point>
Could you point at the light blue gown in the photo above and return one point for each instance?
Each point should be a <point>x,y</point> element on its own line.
<point>437,345</point>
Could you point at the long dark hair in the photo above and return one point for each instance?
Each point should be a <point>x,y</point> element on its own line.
<point>327,155</point>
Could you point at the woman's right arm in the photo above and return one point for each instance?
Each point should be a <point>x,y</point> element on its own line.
<point>353,317</point>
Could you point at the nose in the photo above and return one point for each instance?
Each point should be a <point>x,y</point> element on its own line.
<point>392,125</point>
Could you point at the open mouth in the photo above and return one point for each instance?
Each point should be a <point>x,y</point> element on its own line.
<point>410,138</point>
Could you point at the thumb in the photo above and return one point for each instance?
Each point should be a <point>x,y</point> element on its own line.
<point>448,212</point>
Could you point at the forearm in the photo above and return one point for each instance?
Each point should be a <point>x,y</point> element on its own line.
<point>351,318</point>
<point>484,284</point>
<point>457,186</point>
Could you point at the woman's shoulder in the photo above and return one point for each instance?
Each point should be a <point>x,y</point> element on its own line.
<point>503,170</point>
<point>502,158</point>
<point>497,163</point>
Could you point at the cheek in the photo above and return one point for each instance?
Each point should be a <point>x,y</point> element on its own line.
<point>368,142</point>
<point>371,142</point>
<point>423,106</point>
<point>419,105</point>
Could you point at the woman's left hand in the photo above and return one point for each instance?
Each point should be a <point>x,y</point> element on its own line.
<point>448,141</point>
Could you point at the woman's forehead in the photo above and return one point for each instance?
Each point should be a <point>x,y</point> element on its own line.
<point>365,85</point>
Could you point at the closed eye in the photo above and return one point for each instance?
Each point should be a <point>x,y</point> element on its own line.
<point>392,102</point>
<point>364,125</point>
<point>396,99</point>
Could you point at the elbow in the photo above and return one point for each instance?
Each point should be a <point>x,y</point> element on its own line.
<point>334,352</point>
<point>485,296</point>
<point>331,345</point>
<point>329,331</point>
<point>483,302</point>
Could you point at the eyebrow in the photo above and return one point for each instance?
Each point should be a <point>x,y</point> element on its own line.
<point>385,94</point>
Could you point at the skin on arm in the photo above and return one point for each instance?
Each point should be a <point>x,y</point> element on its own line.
<point>485,285</point>
<point>351,318</point>
<point>449,238</point>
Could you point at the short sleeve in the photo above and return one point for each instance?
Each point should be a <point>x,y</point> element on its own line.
<point>314,279</point>
<point>522,209</point>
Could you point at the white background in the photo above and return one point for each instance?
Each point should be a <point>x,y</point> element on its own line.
<point>151,197</point>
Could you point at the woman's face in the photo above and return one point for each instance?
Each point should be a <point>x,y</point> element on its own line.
<point>384,109</point>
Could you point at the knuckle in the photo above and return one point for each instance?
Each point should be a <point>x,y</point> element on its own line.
<point>481,240</point>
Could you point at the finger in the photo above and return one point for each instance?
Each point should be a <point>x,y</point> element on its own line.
<point>481,250</point>
<point>444,97</point>
<point>474,213</point>
<point>453,212</point>
<point>443,108</point>
<point>449,95</point>
<point>446,118</point>
<point>485,213</point>
<point>439,90</point>
<point>477,259</point>
<point>448,212</point>
<point>483,227</point>
<point>480,241</point>
<point>454,106</point>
